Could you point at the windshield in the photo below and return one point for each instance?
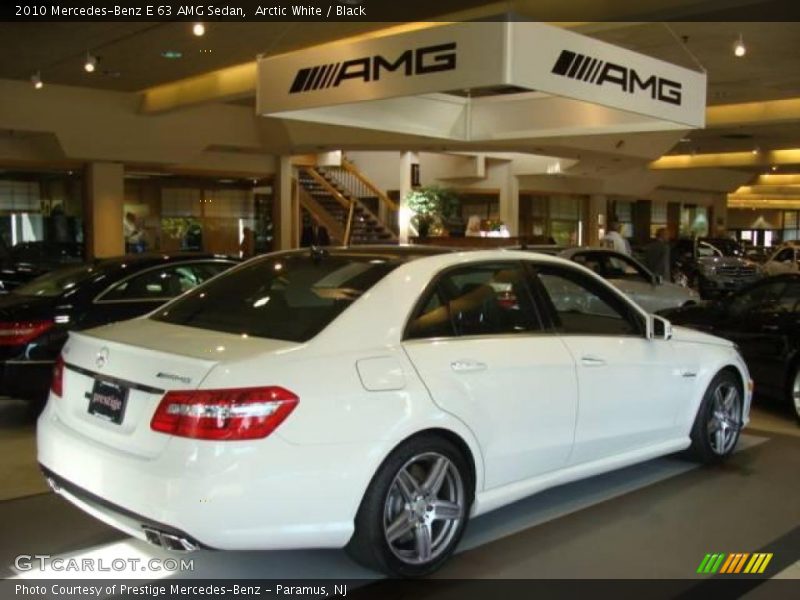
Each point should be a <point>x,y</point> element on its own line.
<point>726,247</point>
<point>282,297</point>
<point>57,282</point>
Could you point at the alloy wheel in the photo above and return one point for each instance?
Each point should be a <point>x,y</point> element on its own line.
<point>424,508</point>
<point>726,418</point>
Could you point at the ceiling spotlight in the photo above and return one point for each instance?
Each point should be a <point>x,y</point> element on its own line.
<point>774,168</point>
<point>755,150</point>
<point>91,63</point>
<point>739,49</point>
<point>198,29</point>
<point>36,80</point>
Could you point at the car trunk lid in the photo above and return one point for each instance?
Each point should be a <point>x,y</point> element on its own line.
<point>137,362</point>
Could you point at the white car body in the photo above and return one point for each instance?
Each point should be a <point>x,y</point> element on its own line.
<point>784,260</point>
<point>533,412</point>
<point>637,282</point>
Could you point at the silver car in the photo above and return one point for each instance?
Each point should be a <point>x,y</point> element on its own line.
<point>632,278</point>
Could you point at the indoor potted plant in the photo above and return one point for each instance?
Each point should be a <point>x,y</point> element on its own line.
<point>429,204</point>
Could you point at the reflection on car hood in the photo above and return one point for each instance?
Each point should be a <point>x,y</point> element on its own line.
<point>684,334</point>
<point>725,261</point>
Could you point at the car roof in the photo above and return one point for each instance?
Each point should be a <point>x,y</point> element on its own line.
<point>569,252</point>
<point>399,253</point>
<point>156,258</point>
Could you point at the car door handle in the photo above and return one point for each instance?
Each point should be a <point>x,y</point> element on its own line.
<point>592,361</point>
<point>467,366</point>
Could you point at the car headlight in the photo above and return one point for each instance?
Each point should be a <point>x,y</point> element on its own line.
<point>708,269</point>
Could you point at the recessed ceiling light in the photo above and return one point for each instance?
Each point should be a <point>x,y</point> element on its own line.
<point>172,54</point>
<point>36,80</point>
<point>755,150</point>
<point>91,63</point>
<point>739,49</point>
<point>198,29</point>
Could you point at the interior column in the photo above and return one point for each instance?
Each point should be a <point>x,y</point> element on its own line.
<point>284,218</point>
<point>596,220</point>
<point>404,217</point>
<point>105,196</point>
<point>509,200</point>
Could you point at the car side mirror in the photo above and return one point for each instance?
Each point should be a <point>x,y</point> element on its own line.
<point>658,328</point>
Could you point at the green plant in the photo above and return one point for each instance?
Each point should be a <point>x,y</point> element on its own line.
<point>430,204</point>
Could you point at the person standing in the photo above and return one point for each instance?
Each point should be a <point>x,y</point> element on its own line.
<point>656,255</point>
<point>134,236</point>
<point>613,239</point>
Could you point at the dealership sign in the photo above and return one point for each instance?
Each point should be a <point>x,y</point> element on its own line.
<point>482,80</point>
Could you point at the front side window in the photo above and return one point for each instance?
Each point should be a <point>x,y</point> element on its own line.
<point>164,283</point>
<point>481,299</point>
<point>582,306</point>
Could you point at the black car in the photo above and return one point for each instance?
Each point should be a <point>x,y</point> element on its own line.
<point>26,261</point>
<point>36,318</point>
<point>764,321</point>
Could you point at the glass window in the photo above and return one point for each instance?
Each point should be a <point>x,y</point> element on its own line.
<point>164,283</point>
<point>785,255</point>
<point>581,306</point>
<point>280,297</point>
<point>57,282</point>
<point>483,299</point>
<point>764,297</point>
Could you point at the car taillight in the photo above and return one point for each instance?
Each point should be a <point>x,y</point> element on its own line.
<point>57,385</point>
<point>15,333</point>
<point>234,414</point>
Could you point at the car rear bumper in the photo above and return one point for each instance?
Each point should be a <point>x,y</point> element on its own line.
<point>29,380</point>
<point>266,494</point>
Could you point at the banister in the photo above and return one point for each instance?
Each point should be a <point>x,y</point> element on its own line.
<point>351,168</point>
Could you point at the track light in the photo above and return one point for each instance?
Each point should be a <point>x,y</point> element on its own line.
<point>739,49</point>
<point>91,63</point>
<point>36,80</point>
<point>199,29</point>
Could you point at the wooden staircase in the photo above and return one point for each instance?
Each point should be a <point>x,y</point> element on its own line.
<point>350,206</point>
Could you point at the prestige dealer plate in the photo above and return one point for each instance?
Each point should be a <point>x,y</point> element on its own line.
<point>108,401</point>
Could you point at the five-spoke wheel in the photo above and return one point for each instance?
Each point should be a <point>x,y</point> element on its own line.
<point>719,419</point>
<point>415,509</point>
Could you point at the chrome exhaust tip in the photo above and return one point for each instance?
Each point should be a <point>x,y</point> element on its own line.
<point>169,541</point>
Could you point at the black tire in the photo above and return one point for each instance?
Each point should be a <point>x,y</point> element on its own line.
<point>370,546</point>
<point>793,391</point>
<point>708,421</point>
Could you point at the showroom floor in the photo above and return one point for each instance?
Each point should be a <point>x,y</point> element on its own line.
<point>655,520</point>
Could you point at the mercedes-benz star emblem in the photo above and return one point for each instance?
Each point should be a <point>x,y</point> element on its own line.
<point>102,358</point>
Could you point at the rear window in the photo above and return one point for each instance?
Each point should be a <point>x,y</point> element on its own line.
<point>58,282</point>
<point>289,298</point>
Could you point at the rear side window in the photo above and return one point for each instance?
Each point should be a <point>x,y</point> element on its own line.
<point>163,283</point>
<point>481,299</point>
<point>289,298</point>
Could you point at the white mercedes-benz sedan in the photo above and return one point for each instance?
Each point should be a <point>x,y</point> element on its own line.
<point>375,398</point>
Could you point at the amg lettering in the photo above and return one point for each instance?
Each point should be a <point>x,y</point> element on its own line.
<point>598,72</point>
<point>420,61</point>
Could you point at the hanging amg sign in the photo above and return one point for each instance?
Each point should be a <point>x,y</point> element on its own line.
<point>430,59</point>
<point>592,70</point>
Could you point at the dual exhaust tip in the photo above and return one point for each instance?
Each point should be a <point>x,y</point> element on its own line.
<point>169,541</point>
<point>162,539</point>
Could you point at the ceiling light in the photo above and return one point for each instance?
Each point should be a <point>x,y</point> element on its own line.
<point>91,63</point>
<point>774,167</point>
<point>36,80</point>
<point>739,49</point>
<point>198,29</point>
<point>755,150</point>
